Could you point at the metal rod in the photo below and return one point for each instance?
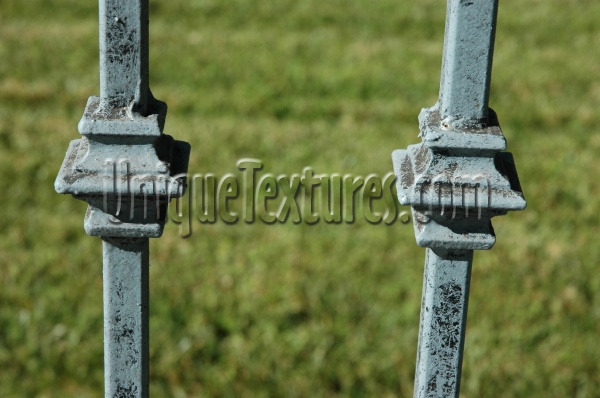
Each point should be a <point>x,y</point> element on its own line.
<point>125,278</point>
<point>460,146</point>
<point>443,322</point>
<point>467,60</point>
<point>124,85</point>
<point>124,74</point>
<point>124,127</point>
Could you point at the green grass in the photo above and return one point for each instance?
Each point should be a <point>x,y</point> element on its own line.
<point>299,310</point>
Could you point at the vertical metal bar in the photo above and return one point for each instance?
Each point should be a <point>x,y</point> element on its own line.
<point>124,84</point>
<point>463,101</point>
<point>467,60</point>
<point>443,321</point>
<point>460,149</point>
<point>124,127</point>
<point>124,74</point>
<point>125,278</point>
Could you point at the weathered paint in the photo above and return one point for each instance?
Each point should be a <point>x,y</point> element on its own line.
<point>124,166</point>
<point>443,320</point>
<point>455,181</point>
<point>126,169</point>
<point>468,50</point>
<point>124,54</point>
<point>125,277</point>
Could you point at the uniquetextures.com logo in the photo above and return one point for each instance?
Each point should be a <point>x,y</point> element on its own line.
<point>253,194</point>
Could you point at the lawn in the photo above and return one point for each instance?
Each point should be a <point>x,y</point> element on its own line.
<point>300,310</point>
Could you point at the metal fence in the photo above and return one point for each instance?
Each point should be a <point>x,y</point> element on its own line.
<point>455,180</point>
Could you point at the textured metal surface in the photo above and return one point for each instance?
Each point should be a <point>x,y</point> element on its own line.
<point>127,170</point>
<point>124,55</point>
<point>456,180</point>
<point>125,277</point>
<point>468,49</point>
<point>124,166</point>
<point>443,321</point>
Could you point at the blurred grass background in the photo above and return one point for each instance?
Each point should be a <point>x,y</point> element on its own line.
<point>298,310</point>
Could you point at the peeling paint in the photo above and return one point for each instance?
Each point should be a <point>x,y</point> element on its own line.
<point>123,143</point>
<point>455,181</point>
